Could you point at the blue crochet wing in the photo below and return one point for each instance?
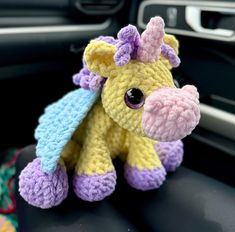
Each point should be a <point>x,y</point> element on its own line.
<point>58,123</point>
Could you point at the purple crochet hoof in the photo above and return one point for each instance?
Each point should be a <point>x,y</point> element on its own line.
<point>94,188</point>
<point>41,189</point>
<point>170,154</point>
<point>145,179</point>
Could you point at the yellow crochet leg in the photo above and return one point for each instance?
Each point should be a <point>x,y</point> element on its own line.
<point>95,177</point>
<point>70,155</point>
<point>143,169</point>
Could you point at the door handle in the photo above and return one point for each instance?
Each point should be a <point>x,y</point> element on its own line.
<point>193,18</point>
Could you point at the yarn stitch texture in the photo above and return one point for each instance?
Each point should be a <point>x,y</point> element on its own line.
<point>89,127</point>
<point>58,123</point>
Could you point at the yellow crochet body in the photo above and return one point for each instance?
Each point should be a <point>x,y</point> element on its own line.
<point>111,128</point>
<point>99,139</point>
<point>138,105</point>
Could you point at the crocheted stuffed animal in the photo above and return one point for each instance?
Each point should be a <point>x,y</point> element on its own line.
<point>127,102</point>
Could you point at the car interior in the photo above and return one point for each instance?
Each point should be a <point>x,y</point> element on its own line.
<point>41,47</point>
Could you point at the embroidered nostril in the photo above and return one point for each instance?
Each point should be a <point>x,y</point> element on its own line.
<point>134,98</point>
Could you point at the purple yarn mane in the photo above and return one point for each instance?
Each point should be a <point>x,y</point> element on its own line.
<point>127,43</point>
<point>88,80</point>
<point>169,53</point>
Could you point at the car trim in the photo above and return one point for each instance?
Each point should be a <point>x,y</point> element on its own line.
<point>142,25</point>
<point>55,29</point>
<point>222,145</point>
<point>217,120</point>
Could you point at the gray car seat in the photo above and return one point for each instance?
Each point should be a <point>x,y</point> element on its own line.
<point>186,202</point>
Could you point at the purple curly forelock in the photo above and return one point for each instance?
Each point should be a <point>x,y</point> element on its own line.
<point>169,53</point>
<point>128,43</point>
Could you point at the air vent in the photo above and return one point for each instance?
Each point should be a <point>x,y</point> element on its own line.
<point>98,7</point>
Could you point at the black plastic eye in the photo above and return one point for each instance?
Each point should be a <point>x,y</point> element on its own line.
<point>134,98</point>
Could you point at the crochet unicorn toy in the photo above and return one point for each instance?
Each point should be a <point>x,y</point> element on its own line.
<point>127,106</point>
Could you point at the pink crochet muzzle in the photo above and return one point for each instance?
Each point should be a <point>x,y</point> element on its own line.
<point>171,114</point>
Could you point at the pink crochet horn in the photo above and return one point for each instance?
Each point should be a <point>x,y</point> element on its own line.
<point>151,40</point>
